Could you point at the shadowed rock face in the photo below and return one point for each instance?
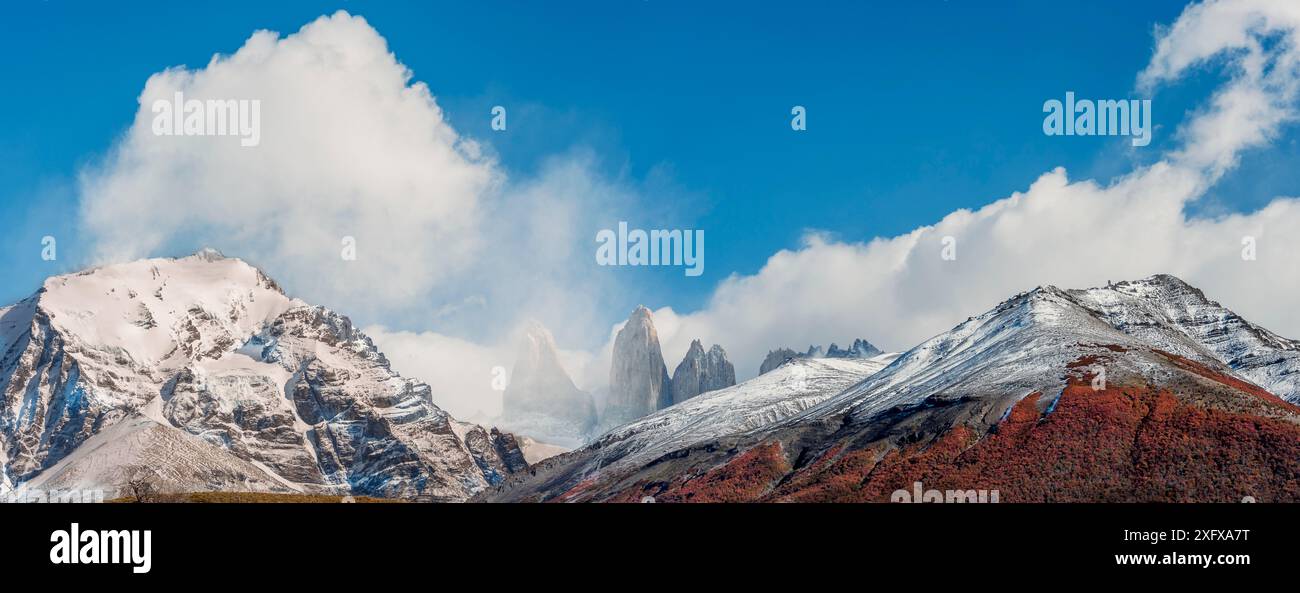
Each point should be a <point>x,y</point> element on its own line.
<point>776,358</point>
<point>701,372</point>
<point>638,378</point>
<point>541,393</point>
<point>860,349</point>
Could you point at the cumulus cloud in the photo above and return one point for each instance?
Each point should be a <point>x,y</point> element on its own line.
<point>1258,44</point>
<point>350,147</point>
<point>1073,233</point>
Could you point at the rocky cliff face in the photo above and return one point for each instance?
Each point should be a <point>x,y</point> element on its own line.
<point>860,349</point>
<point>638,378</point>
<point>227,384</point>
<point>701,371</point>
<point>776,358</point>
<point>541,400</point>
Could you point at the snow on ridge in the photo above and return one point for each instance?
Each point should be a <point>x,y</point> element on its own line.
<point>163,302</point>
<point>1024,344</point>
<point>742,408</point>
<point>1171,315</point>
<point>1016,347</point>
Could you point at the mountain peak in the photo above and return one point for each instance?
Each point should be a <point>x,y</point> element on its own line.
<point>1165,279</point>
<point>538,339</point>
<point>700,372</point>
<point>1164,282</point>
<point>641,312</point>
<point>541,399</point>
<point>535,330</point>
<point>207,254</point>
<point>163,312</point>
<point>1017,380</point>
<point>638,377</point>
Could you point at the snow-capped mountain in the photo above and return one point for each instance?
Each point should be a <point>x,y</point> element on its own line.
<point>1137,391</point>
<point>1023,337</point>
<point>202,371</point>
<point>1172,315</point>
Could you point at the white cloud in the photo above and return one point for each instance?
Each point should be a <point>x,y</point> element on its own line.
<point>1257,43</point>
<point>350,146</point>
<point>898,291</point>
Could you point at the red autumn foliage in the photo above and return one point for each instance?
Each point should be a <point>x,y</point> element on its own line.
<point>1119,444</point>
<point>1124,443</point>
<point>832,477</point>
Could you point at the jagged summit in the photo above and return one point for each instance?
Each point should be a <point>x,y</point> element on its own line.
<point>701,372</point>
<point>218,371</point>
<point>1177,317</point>
<point>859,349</point>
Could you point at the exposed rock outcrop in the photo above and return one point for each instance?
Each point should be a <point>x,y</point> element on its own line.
<point>638,378</point>
<point>701,371</point>
<point>860,349</point>
<point>776,358</point>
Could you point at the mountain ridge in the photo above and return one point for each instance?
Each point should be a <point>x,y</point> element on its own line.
<point>211,347</point>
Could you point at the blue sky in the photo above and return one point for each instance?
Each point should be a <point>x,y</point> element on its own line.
<point>915,109</point>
